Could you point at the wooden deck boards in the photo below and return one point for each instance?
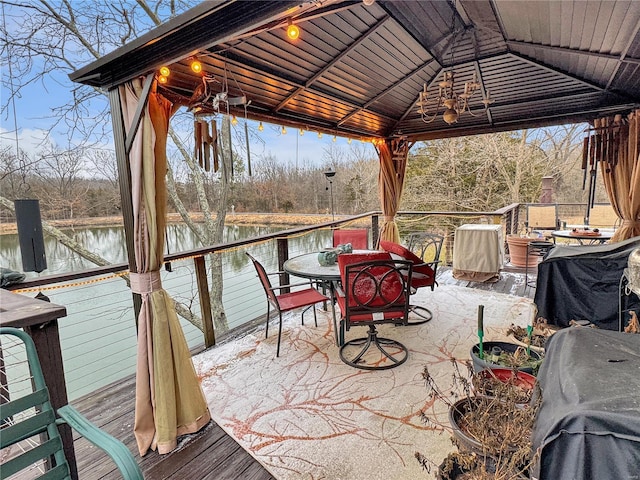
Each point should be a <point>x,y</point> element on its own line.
<point>211,453</point>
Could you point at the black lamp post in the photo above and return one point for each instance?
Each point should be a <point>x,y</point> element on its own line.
<point>330,174</point>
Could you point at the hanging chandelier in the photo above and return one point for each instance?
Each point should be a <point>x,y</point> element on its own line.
<point>454,103</point>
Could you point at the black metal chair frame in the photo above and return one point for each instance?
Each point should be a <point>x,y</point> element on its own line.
<point>539,249</point>
<point>420,243</point>
<point>380,307</point>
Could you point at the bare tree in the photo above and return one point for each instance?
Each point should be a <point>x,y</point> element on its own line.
<point>53,38</point>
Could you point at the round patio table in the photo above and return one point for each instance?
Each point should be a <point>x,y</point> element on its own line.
<point>582,238</point>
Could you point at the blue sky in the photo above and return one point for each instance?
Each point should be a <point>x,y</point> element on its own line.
<point>35,117</point>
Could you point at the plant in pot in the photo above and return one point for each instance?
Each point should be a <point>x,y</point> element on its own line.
<point>505,355</point>
<point>492,433</point>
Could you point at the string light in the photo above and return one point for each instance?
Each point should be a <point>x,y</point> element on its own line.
<point>301,131</point>
<point>260,127</point>
<point>334,138</point>
<point>319,134</point>
<point>349,141</point>
<point>283,131</point>
<point>234,120</point>
<point>164,73</point>
<point>293,32</point>
<point>196,66</point>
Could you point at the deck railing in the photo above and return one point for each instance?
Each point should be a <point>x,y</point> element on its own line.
<point>99,334</point>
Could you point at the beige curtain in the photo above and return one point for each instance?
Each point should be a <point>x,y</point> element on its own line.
<point>169,400</point>
<point>622,177</point>
<point>393,164</point>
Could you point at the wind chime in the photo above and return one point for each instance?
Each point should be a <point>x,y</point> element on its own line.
<point>601,145</point>
<point>204,100</point>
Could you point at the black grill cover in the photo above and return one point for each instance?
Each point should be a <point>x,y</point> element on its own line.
<point>588,427</point>
<point>578,282</point>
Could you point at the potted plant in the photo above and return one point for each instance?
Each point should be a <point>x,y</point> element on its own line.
<point>500,382</point>
<point>492,433</point>
<point>506,355</point>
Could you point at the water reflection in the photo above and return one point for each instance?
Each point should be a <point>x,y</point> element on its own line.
<point>109,243</point>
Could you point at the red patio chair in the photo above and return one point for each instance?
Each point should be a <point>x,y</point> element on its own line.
<point>285,302</point>
<point>372,292</point>
<point>357,237</point>
<point>424,272</point>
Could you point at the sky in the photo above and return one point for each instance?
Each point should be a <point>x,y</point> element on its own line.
<point>32,115</point>
<point>35,119</point>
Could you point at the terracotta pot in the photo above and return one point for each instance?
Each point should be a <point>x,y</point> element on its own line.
<point>518,251</point>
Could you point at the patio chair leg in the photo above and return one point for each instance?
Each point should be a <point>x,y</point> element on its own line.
<point>422,312</point>
<point>266,330</point>
<point>380,343</point>
<point>279,335</point>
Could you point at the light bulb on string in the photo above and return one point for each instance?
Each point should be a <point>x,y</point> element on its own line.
<point>349,141</point>
<point>283,131</point>
<point>234,120</point>
<point>334,138</point>
<point>260,127</point>
<point>196,66</point>
<point>301,131</point>
<point>293,32</point>
<point>164,71</point>
<point>319,134</point>
<point>162,79</point>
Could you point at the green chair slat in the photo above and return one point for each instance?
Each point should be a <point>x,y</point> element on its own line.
<point>59,472</point>
<point>26,428</point>
<point>21,404</point>
<point>34,455</point>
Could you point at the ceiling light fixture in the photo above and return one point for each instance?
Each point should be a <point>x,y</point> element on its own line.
<point>293,32</point>
<point>454,103</point>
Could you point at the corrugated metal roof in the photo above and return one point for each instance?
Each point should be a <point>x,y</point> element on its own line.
<point>356,70</point>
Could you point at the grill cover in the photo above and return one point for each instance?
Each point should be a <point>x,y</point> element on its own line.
<point>582,283</point>
<point>588,427</point>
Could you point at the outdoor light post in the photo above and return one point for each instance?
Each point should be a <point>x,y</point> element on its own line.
<point>330,174</point>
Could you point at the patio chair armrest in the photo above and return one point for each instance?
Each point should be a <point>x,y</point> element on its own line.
<point>289,285</point>
<point>118,452</point>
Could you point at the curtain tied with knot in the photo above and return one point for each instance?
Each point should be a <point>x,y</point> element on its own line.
<point>169,400</point>
<point>621,174</point>
<point>393,164</point>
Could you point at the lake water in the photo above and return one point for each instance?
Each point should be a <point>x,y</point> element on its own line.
<point>98,335</point>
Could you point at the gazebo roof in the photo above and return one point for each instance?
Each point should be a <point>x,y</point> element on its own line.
<point>357,69</point>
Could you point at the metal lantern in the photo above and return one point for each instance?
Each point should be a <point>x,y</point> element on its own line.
<point>633,271</point>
